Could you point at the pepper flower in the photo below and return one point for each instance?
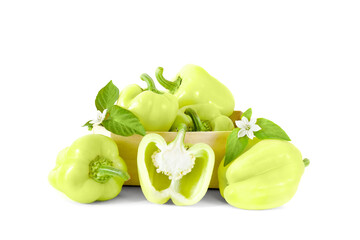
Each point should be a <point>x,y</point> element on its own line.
<point>100,116</point>
<point>247,127</point>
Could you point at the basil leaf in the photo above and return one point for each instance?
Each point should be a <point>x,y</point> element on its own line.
<point>89,125</point>
<point>106,97</point>
<point>123,122</point>
<point>234,146</point>
<point>247,114</point>
<point>270,130</point>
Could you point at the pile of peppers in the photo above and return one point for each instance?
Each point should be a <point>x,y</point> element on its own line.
<point>263,172</point>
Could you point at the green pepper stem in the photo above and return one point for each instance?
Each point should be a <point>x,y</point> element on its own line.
<point>198,125</point>
<point>169,85</point>
<point>306,162</point>
<point>150,83</point>
<point>179,139</point>
<point>107,170</point>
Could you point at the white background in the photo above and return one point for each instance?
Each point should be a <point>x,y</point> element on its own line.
<point>294,62</point>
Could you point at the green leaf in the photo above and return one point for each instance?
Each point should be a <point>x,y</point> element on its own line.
<point>106,97</point>
<point>123,122</point>
<point>247,114</point>
<point>234,146</point>
<point>89,125</point>
<point>270,130</point>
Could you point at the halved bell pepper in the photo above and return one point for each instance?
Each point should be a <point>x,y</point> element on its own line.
<point>156,110</point>
<point>265,176</point>
<point>174,171</point>
<point>193,85</point>
<point>89,170</point>
<point>209,116</point>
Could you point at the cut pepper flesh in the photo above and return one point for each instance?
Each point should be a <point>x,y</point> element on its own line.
<point>173,171</point>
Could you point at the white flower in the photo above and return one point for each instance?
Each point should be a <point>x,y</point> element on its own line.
<point>247,127</point>
<point>100,116</point>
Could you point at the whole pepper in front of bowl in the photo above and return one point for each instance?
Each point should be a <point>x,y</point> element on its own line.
<point>156,110</point>
<point>209,116</point>
<point>89,170</point>
<point>193,85</point>
<point>265,176</point>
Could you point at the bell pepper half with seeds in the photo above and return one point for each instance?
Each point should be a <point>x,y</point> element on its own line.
<point>174,171</point>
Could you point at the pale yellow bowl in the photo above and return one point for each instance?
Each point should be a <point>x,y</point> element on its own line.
<point>128,147</point>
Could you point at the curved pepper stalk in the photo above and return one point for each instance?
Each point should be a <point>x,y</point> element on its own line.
<point>174,171</point>
<point>202,117</point>
<point>171,86</point>
<point>199,126</point>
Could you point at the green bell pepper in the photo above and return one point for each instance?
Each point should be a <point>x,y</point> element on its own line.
<point>194,85</point>
<point>210,118</point>
<point>265,176</point>
<point>174,171</point>
<point>156,110</point>
<point>89,170</point>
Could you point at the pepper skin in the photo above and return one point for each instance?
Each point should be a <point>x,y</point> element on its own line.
<point>265,176</point>
<point>89,170</point>
<point>173,170</point>
<point>193,85</point>
<point>209,115</point>
<point>156,110</point>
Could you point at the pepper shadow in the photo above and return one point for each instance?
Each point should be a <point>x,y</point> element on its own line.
<point>212,198</point>
<point>128,195</point>
<point>134,195</point>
